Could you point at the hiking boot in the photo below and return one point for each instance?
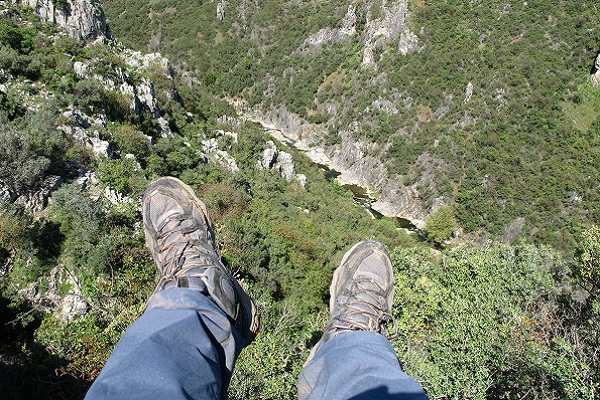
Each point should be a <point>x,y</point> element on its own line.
<point>362,293</point>
<point>180,236</point>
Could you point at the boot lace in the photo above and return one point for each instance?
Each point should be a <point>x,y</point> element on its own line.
<point>365,310</point>
<point>180,252</point>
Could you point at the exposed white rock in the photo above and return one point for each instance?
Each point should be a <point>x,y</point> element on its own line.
<point>386,24</point>
<point>234,135</point>
<point>280,162</point>
<point>163,127</point>
<point>72,306</point>
<point>596,73</point>
<point>408,42</point>
<point>221,9</point>
<point>298,132</point>
<point>115,197</point>
<point>301,178</point>
<point>224,159</point>
<point>146,97</point>
<point>82,119</point>
<point>141,61</point>
<point>6,193</point>
<point>211,149</point>
<point>332,35</point>
<point>468,93</point>
<point>209,145</point>
<point>78,129</point>
<point>142,95</point>
<point>87,180</point>
<point>241,23</point>
<point>285,165</point>
<point>36,201</point>
<point>385,105</point>
<point>81,69</point>
<point>81,19</point>
<point>100,148</point>
<point>63,295</point>
<point>233,122</point>
<point>501,97</point>
<point>269,157</point>
<point>393,25</point>
<point>350,158</point>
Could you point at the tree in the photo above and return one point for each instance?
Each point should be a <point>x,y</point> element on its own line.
<point>588,259</point>
<point>441,224</point>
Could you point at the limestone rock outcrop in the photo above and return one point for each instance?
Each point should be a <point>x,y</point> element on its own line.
<point>280,162</point>
<point>468,93</point>
<point>32,201</point>
<point>81,19</point>
<point>211,151</point>
<point>332,35</point>
<point>79,127</point>
<point>221,10</point>
<point>352,159</point>
<point>142,93</point>
<point>63,295</point>
<point>387,23</point>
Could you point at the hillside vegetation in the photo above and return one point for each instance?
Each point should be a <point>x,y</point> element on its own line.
<point>523,146</point>
<point>481,320</point>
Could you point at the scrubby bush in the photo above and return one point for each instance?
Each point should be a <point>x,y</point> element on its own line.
<point>488,323</point>
<point>588,260</point>
<point>130,140</point>
<point>123,175</point>
<point>440,224</point>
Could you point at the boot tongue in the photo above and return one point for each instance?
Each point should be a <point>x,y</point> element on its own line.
<point>162,208</point>
<point>374,271</point>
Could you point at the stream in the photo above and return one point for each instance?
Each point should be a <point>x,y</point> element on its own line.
<point>362,198</point>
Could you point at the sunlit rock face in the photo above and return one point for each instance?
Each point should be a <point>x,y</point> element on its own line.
<point>81,19</point>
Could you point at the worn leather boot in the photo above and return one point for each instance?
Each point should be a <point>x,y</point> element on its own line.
<point>180,236</point>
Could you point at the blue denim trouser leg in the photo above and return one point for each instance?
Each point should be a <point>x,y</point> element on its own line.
<point>182,347</point>
<point>357,365</point>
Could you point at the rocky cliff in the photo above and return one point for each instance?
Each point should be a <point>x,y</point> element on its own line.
<point>81,19</point>
<point>353,159</point>
<point>358,162</point>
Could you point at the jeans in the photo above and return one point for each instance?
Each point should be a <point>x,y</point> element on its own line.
<point>184,347</point>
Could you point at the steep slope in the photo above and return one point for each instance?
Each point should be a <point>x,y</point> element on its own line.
<point>483,106</point>
<point>84,126</point>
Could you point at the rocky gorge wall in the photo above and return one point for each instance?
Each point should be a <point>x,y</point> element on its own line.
<point>351,158</point>
<point>81,19</point>
<point>358,162</point>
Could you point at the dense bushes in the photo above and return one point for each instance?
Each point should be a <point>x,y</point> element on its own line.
<point>30,145</point>
<point>493,322</point>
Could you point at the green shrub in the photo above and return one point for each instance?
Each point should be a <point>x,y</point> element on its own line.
<point>441,224</point>
<point>123,175</point>
<point>21,165</point>
<point>588,260</point>
<point>130,140</point>
<point>78,215</point>
<point>487,323</point>
<point>18,37</point>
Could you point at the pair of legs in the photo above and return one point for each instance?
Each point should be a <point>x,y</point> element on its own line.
<point>199,319</point>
